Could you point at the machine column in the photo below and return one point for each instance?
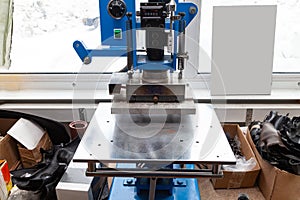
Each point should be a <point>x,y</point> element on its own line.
<point>129,44</point>
<point>181,46</point>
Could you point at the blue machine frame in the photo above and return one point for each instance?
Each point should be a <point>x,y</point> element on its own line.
<point>118,47</point>
<point>178,189</point>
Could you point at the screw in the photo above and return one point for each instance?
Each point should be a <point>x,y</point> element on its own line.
<point>192,10</point>
<point>182,14</point>
<point>87,60</point>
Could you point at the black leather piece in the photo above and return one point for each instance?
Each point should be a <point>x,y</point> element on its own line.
<point>56,131</point>
<point>271,117</point>
<point>277,139</point>
<point>280,122</point>
<point>270,137</point>
<point>45,176</point>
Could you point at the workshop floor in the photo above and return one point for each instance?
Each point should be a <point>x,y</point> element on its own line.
<point>209,193</point>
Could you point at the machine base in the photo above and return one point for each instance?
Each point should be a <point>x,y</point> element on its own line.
<point>119,191</point>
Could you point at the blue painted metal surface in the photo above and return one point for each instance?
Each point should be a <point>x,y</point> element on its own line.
<point>182,189</point>
<point>109,52</point>
<point>108,24</point>
<point>118,47</point>
<point>144,64</point>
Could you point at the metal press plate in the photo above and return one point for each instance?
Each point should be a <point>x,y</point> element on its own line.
<point>183,108</point>
<point>158,138</point>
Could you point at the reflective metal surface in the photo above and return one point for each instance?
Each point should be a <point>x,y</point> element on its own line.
<point>182,108</point>
<point>154,139</point>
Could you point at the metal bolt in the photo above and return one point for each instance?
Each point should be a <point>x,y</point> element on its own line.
<point>87,60</point>
<point>182,14</point>
<point>192,10</point>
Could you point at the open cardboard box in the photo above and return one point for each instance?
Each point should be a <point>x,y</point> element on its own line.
<point>274,183</point>
<point>238,179</point>
<point>8,145</point>
<point>15,153</point>
<point>30,158</point>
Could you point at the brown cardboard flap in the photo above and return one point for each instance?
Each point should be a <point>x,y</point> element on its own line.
<point>30,158</point>
<point>274,183</point>
<point>5,125</point>
<point>9,151</point>
<point>238,179</point>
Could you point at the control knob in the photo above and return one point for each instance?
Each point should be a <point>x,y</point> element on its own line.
<point>116,9</point>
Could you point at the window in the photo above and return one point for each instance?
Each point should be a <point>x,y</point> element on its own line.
<point>44,32</point>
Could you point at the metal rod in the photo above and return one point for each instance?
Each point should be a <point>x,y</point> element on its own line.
<point>91,167</point>
<point>152,170</point>
<point>181,46</point>
<point>129,42</point>
<point>159,174</point>
<point>216,169</point>
<point>171,9</point>
<point>152,188</point>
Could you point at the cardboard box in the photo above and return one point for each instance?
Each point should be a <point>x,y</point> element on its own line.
<point>31,138</point>
<point>274,183</point>
<point>238,179</point>
<point>8,145</point>
<point>30,158</point>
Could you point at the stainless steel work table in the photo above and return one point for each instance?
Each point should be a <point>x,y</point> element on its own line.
<point>148,143</point>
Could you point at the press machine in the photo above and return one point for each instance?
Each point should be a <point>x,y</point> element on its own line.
<point>151,136</point>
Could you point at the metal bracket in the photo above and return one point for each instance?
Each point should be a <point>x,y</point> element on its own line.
<point>129,182</point>
<point>179,182</point>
